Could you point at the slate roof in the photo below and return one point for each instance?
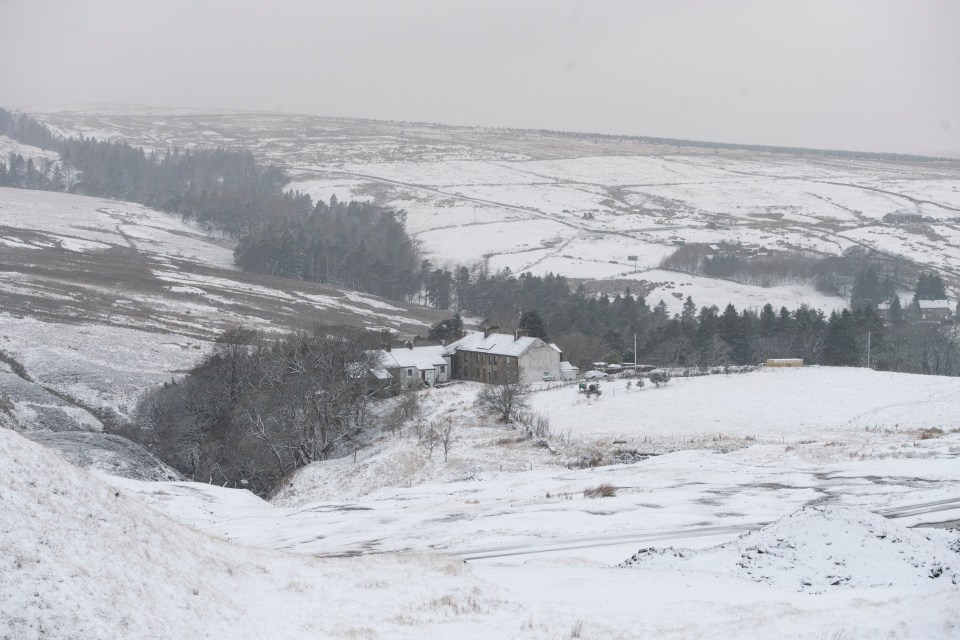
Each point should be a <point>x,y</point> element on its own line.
<point>421,358</point>
<point>501,344</point>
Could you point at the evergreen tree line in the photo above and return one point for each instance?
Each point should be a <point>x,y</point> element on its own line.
<point>355,245</point>
<point>592,327</point>
<point>227,189</point>
<point>868,276</point>
<point>732,262</point>
<point>25,174</point>
<point>873,286</point>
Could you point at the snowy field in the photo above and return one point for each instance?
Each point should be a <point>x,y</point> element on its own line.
<point>810,503</point>
<point>673,288</point>
<point>786,536</point>
<point>768,405</point>
<point>578,204</point>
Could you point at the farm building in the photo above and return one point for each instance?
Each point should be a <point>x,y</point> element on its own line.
<point>928,311</point>
<point>568,371</point>
<point>903,216</point>
<point>784,362</point>
<point>412,366</point>
<point>934,310</point>
<point>497,357</point>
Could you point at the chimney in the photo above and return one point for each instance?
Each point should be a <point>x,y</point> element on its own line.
<point>486,331</point>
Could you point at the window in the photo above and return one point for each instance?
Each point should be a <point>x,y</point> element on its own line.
<point>443,368</point>
<point>409,372</point>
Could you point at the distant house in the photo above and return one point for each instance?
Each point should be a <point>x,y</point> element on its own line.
<point>884,309</point>
<point>413,366</point>
<point>903,216</point>
<point>934,310</point>
<point>484,356</point>
<point>930,311</point>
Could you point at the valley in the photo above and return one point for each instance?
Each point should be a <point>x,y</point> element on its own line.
<point>795,503</point>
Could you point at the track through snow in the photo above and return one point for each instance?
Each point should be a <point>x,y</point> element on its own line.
<point>84,559</point>
<point>672,537</point>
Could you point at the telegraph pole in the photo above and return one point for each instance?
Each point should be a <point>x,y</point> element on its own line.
<point>868,350</point>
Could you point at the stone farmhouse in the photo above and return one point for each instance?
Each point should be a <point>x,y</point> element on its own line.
<point>934,310</point>
<point>497,357</point>
<point>481,356</point>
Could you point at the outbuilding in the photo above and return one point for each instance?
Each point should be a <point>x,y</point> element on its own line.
<point>784,362</point>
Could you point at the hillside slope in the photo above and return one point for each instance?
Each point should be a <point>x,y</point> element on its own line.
<point>580,204</point>
<point>103,299</point>
<point>83,560</point>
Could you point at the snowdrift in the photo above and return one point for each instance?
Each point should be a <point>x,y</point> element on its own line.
<point>820,548</point>
<point>106,453</point>
<point>80,559</point>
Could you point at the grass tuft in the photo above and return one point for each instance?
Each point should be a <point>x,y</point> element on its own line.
<point>605,490</point>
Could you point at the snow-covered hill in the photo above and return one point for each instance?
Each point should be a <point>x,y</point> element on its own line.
<point>503,535</point>
<point>819,549</point>
<point>582,205</point>
<point>104,299</point>
<point>86,559</point>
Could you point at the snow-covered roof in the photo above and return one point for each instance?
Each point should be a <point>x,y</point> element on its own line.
<point>556,348</point>
<point>501,344</point>
<point>380,373</point>
<point>566,366</point>
<point>421,358</point>
<point>934,304</point>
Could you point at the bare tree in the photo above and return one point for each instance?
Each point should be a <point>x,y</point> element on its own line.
<point>256,410</point>
<point>506,399</point>
<point>447,435</point>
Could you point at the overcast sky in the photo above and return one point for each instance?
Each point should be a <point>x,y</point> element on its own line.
<point>878,75</point>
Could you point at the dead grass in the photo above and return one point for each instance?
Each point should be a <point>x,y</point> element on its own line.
<point>576,630</point>
<point>605,490</point>
<point>930,434</point>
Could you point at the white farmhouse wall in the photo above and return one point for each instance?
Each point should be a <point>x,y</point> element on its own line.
<point>539,359</point>
<point>409,377</point>
<point>443,376</point>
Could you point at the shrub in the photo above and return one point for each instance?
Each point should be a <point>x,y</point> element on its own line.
<point>605,490</point>
<point>659,377</point>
